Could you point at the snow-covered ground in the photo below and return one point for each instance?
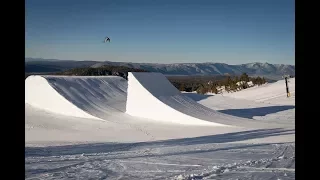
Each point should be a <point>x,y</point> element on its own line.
<point>274,93</point>
<point>119,146</point>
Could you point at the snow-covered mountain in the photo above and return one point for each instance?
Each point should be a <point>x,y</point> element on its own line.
<point>272,71</point>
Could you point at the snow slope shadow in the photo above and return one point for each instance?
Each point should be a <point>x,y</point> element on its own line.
<point>228,137</point>
<point>259,111</point>
<point>116,147</point>
<point>197,97</point>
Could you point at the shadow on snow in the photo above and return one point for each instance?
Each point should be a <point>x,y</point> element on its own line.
<point>259,111</point>
<point>244,113</point>
<point>197,97</point>
<point>113,147</point>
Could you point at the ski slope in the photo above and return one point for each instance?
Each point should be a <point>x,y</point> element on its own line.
<point>283,113</point>
<point>267,103</point>
<point>78,128</point>
<point>102,97</point>
<point>152,96</point>
<point>274,93</point>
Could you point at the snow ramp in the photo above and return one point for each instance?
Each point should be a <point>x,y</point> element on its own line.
<point>81,96</point>
<point>152,96</point>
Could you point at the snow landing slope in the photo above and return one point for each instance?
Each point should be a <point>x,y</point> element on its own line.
<point>80,96</point>
<point>152,96</point>
<point>112,98</point>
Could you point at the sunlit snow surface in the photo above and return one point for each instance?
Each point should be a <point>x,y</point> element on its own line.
<point>125,147</point>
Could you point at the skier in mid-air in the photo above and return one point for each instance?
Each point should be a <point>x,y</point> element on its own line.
<point>107,39</point>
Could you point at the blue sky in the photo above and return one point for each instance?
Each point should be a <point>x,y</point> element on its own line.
<point>162,31</point>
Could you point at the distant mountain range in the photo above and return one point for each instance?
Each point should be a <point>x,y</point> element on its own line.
<point>271,71</point>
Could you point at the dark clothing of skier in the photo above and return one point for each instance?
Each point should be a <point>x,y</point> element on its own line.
<point>107,39</point>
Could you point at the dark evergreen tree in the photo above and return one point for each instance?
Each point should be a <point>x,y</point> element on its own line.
<point>244,77</point>
<point>182,87</point>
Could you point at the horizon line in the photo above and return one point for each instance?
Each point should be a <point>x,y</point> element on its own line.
<point>154,63</point>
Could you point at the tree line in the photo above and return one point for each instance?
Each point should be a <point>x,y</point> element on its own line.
<point>228,83</point>
<point>101,71</point>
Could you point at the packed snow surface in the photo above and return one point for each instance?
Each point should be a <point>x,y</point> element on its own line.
<point>87,97</point>
<point>100,97</point>
<point>274,93</point>
<point>64,140</point>
<point>152,96</point>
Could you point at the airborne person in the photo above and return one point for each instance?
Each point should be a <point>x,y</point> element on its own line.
<point>107,39</point>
